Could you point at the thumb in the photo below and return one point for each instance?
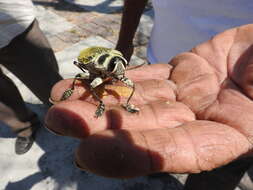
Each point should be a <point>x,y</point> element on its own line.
<point>190,148</point>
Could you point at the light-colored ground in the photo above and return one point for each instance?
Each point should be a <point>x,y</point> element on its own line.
<point>48,165</point>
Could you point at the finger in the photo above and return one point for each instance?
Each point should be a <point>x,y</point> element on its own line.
<point>76,118</point>
<point>216,52</point>
<point>190,148</point>
<point>156,72</point>
<point>145,91</point>
<point>230,55</point>
<point>240,59</point>
<point>232,108</point>
<point>147,72</point>
<point>246,80</point>
<point>197,83</point>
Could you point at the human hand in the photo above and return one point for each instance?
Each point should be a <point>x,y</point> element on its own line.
<point>195,115</point>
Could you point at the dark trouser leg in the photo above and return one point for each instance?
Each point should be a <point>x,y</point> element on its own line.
<point>11,97</point>
<point>224,178</point>
<point>30,58</point>
<point>13,111</point>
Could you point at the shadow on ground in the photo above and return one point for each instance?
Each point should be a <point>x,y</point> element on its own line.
<point>106,6</point>
<point>72,5</point>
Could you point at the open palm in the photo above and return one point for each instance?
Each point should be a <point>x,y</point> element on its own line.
<point>196,113</point>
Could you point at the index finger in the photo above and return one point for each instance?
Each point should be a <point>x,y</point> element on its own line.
<point>146,72</point>
<point>150,83</point>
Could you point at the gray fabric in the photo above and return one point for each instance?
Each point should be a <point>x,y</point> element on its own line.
<point>15,17</point>
<point>30,57</point>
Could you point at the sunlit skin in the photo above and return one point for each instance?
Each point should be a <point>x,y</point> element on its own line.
<point>196,113</point>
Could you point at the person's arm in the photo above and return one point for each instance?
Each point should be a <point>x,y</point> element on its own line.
<point>130,20</point>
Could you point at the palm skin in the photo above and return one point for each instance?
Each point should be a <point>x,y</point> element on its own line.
<point>196,113</point>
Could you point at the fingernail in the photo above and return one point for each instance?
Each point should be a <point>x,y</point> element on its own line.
<point>75,162</point>
<point>79,166</point>
<point>53,101</point>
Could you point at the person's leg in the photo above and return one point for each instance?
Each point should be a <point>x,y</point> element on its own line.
<point>14,113</point>
<point>224,178</point>
<point>31,58</point>
<point>11,97</point>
